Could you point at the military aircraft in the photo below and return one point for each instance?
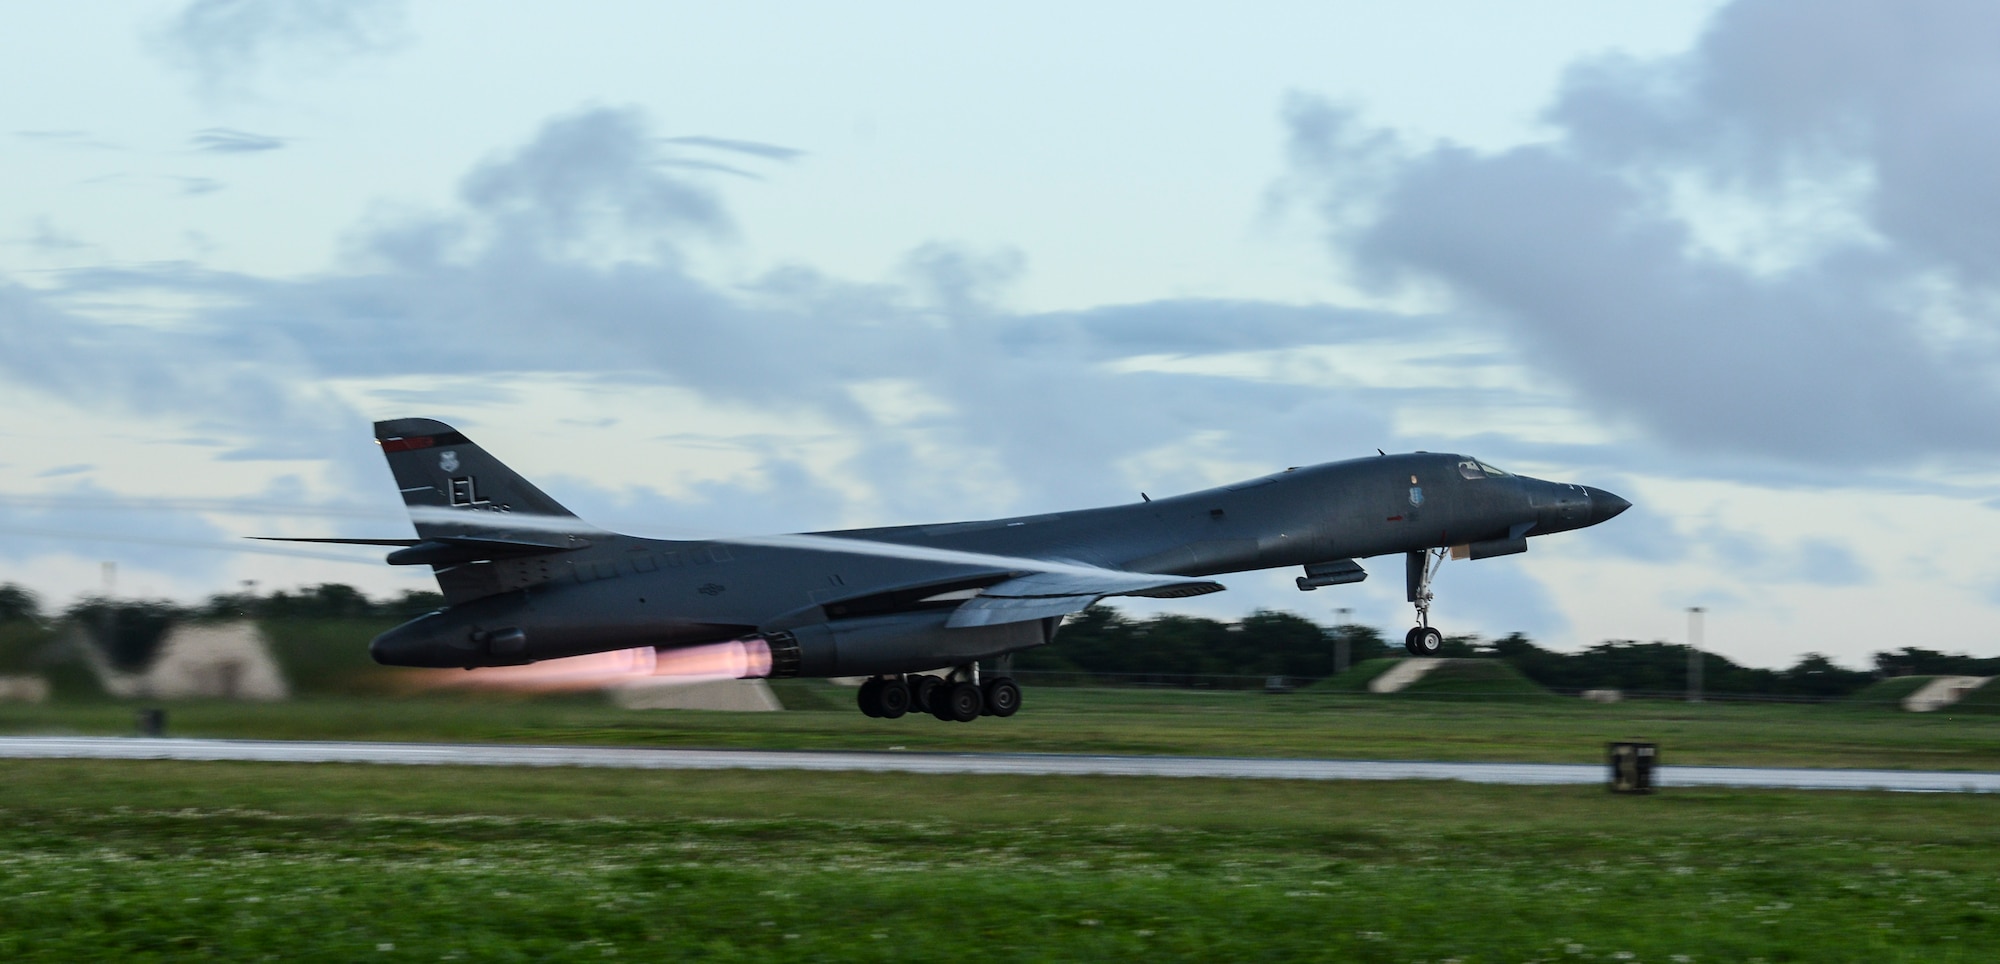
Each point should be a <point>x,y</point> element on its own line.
<point>525,580</point>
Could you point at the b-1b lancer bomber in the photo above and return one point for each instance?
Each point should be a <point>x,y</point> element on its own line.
<point>917,609</point>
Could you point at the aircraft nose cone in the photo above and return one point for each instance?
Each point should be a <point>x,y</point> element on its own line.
<point>1604,505</point>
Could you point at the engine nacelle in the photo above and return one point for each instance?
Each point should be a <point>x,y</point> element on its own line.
<point>895,643</point>
<point>1339,572</point>
<point>1490,548</point>
<point>506,631</point>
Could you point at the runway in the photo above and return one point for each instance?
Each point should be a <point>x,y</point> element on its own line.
<point>1051,764</point>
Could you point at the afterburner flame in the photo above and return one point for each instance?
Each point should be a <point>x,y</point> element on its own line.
<point>737,659</point>
<point>587,672</point>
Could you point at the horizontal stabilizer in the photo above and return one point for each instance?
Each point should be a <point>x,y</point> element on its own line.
<point>341,542</point>
<point>454,550</point>
<point>1044,594</point>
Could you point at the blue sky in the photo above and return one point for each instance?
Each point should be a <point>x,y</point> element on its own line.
<point>749,268</point>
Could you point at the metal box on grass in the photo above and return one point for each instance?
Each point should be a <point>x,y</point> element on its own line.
<point>1632,766</point>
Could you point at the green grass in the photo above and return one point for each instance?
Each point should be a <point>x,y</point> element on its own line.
<point>1467,679</point>
<point>318,657</point>
<point>1891,691</point>
<point>34,650</point>
<point>151,861</point>
<point>330,656</point>
<point>810,694</point>
<point>1984,700</point>
<point>21,646</point>
<point>1357,677</point>
<point>1168,722</point>
<point>1480,679</point>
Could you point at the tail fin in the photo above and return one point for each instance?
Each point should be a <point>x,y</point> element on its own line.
<point>455,490</point>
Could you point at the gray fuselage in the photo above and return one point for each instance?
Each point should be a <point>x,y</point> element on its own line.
<point>625,591</point>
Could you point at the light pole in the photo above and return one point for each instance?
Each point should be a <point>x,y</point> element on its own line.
<point>1340,641</point>
<point>1694,653</point>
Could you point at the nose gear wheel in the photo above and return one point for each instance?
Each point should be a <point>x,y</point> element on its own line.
<point>1423,641</point>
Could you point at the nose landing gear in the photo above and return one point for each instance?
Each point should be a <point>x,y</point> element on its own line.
<point>1420,567</point>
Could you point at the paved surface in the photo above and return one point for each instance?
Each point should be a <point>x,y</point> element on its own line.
<point>1401,675</point>
<point>458,754</point>
<point>1941,692</point>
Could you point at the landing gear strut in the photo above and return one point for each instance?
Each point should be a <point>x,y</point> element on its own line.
<point>1420,568</point>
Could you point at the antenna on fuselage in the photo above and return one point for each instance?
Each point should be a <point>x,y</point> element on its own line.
<point>1380,452</point>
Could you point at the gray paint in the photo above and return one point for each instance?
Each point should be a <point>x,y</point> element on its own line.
<point>527,581</point>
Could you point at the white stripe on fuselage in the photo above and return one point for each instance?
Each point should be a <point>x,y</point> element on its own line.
<point>513,521</point>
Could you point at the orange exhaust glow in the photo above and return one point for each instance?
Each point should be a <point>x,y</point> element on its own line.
<point>737,659</point>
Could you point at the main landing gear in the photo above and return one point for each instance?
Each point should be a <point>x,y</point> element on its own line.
<point>959,695</point>
<point>1420,568</point>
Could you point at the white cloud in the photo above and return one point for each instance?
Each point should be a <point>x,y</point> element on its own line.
<point>228,45</point>
<point>1760,246</point>
<point>1630,303</point>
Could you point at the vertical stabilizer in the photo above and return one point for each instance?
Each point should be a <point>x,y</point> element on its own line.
<point>453,488</point>
<point>485,529</point>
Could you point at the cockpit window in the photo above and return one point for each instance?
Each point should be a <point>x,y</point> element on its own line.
<point>1492,472</point>
<point>1475,469</point>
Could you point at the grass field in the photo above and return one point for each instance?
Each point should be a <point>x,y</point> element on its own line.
<point>1892,690</point>
<point>1468,679</point>
<point>1356,679</point>
<point>160,861</point>
<point>177,860</point>
<point>170,861</point>
<point>1063,720</point>
<point>1985,699</point>
<point>1479,679</point>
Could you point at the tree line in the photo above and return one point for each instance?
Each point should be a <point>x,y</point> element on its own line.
<point>1104,642</point>
<point>325,601</point>
<point>129,631</point>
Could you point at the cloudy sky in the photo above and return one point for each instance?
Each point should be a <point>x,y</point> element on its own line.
<point>738,268</point>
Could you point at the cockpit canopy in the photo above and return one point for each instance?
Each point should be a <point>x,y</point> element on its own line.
<point>1475,469</point>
